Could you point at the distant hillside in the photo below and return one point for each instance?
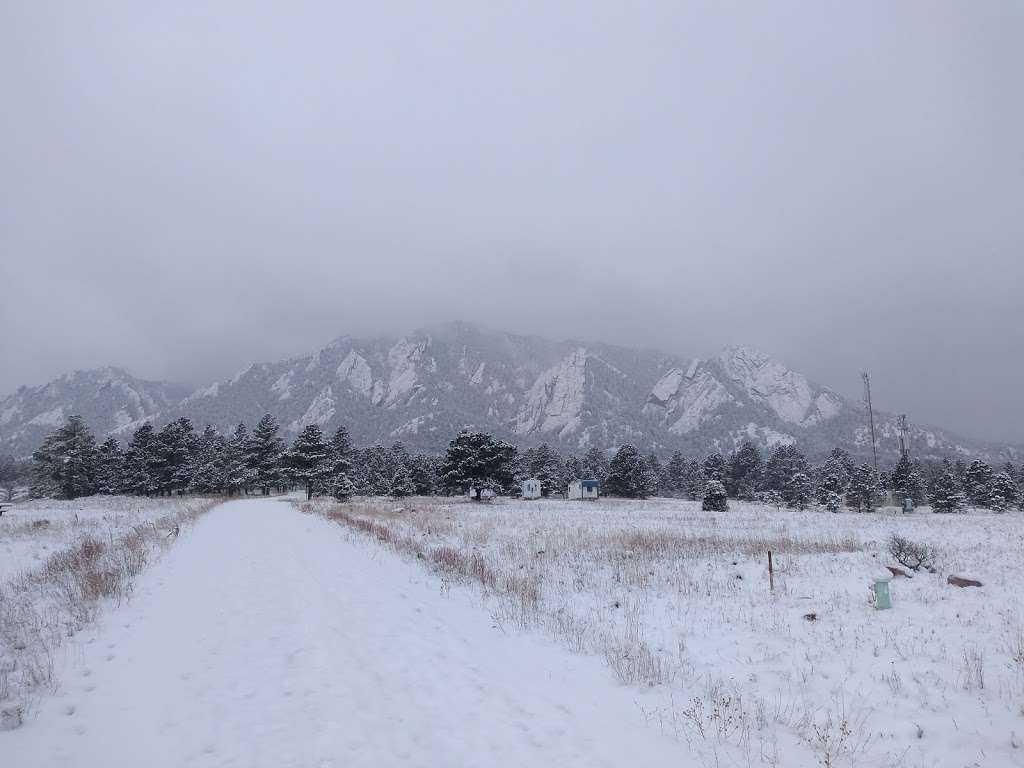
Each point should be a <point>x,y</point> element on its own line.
<point>424,387</point>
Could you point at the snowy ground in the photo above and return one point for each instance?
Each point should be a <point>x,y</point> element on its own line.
<point>266,637</point>
<point>676,602</point>
<point>61,563</point>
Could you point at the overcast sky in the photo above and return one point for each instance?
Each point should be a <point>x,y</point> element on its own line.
<point>188,187</point>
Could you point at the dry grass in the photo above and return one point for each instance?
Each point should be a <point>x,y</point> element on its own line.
<point>42,607</point>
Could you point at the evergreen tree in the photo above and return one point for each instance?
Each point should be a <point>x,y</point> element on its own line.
<point>783,462</point>
<point>573,470</point>
<point>628,474</point>
<point>714,468</point>
<point>799,491</point>
<point>310,459</point>
<point>65,464</point>
<point>906,483</point>
<point>208,464</point>
<point>238,475</point>
<point>715,498</point>
<point>426,474</point>
<point>172,454</point>
<point>140,462</point>
<point>1004,492</point>
<point>401,481</point>
<point>263,455</point>
<point>863,487</point>
<point>978,484</point>
<point>342,485</point>
<point>477,460</point>
<point>743,471</point>
<point>595,466</point>
<point>833,483</point>
<point>675,475</point>
<point>110,467</point>
<point>656,473</point>
<point>546,465</point>
<point>376,472</point>
<point>694,479</point>
<point>945,494</point>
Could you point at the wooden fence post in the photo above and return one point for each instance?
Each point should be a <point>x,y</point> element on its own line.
<point>771,572</point>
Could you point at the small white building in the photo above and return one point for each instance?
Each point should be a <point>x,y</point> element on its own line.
<point>586,490</point>
<point>531,488</point>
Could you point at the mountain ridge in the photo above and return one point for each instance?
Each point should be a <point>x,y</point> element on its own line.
<point>424,386</point>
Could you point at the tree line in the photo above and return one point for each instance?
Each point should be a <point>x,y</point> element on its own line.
<point>177,459</point>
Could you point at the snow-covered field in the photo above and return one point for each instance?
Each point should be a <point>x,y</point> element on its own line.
<point>61,563</point>
<point>676,602</point>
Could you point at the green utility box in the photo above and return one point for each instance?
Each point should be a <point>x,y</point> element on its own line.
<point>882,598</point>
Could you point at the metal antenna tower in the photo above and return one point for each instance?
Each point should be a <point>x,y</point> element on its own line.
<point>904,435</point>
<point>871,418</point>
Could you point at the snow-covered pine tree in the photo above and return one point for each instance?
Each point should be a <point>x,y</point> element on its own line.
<point>863,487</point>
<point>341,454</point>
<point>675,475</point>
<point>573,469</point>
<point>140,462</point>
<point>238,475</point>
<point>476,459</point>
<point>695,480</point>
<point>426,474</point>
<point>208,464</point>
<point>172,452</point>
<point>833,481</point>
<point>783,462</point>
<point>945,494</point>
<point>65,463</point>
<point>978,484</point>
<point>655,474</point>
<point>546,465</point>
<point>628,474</point>
<point>377,468</point>
<point>715,498</point>
<point>714,467</point>
<point>743,471</point>
<point>401,483</point>
<point>110,467</point>
<point>309,461</point>
<point>1004,492</point>
<point>799,491</point>
<point>263,455</point>
<point>595,466</point>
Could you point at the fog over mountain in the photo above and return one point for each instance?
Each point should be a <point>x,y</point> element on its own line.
<point>423,387</point>
<point>186,188</point>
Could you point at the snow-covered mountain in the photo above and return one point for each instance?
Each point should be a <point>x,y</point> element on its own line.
<point>111,401</point>
<point>424,387</point>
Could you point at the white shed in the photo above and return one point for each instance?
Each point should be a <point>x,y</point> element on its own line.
<point>531,488</point>
<point>587,490</point>
<point>478,493</point>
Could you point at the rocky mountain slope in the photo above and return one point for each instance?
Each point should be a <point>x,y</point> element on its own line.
<point>424,387</point>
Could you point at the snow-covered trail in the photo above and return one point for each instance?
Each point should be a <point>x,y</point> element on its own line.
<point>267,637</point>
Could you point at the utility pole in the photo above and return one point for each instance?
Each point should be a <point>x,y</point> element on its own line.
<point>871,418</point>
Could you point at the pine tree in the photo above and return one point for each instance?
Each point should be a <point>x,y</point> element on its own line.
<point>140,462</point>
<point>238,475</point>
<point>978,484</point>
<point>656,474</point>
<point>695,480</point>
<point>573,470</point>
<point>863,487</point>
<point>310,461</point>
<point>426,474</point>
<point>477,460</point>
<point>743,471</point>
<point>340,448</point>
<point>833,483</point>
<point>714,468</point>
<point>945,495</point>
<point>1004,492</point>
<point>675,475</point>
<point>208,464</point>
<point>546,465</point>
<point>799,491</point>
<point>628,474</point>
<point>263,455</point>
<point>172,454</point>
<point>65,464</point>
<point>783,462</point>
<point>715,498</point>
<point>595,466</point>
<point>376,473</point>
<point>110,467</point>
<point>401,481</point>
